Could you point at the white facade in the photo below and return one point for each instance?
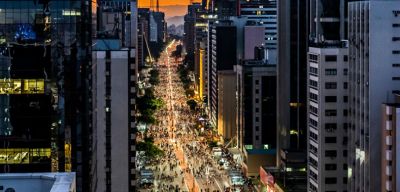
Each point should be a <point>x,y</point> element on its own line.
<point>114,77</point>
<point>38,182</point>
<point>374,73</point>
<point>327,110</point>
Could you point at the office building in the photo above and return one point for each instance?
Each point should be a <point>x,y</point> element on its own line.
<point>265,14</point>
<point>223,57</point>
<point>143,49</point>
<point>114,120</point>
<point>153,28</point>
<point>292,75</point>
<point>390,140</point>
<point>327,90</point>
<point>114,77</point>
<point>159,18</point>
<point>328,117</point>
<point>374,54</point>
<point>46,111</point>
<point>189,28</point>
<point>226,124</point>
<point>256,114</point>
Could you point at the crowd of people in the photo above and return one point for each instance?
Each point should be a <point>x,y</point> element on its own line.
<point>187,164</point>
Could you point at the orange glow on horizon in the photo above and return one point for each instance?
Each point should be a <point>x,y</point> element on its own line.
<point>146,3</point>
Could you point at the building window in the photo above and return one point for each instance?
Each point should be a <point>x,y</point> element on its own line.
<point>257,128</point>
<point>396,24</point>
<point>330,139</point>
<point>313,109</point>
<point>395,38</point>
<point>313,136</point>
<point>396,52</point>
<point>313,122</point>
<point>330,127</point>
<point>331,153</point>
<point>257,82</point>
<point>345,126</point>
<point>257,91</point>
<point>345,85</point>
<point>330,72</point>
<point>257,137</point>
<point>313,83</point>
<point>330,58</point>
<point>330,99</point>
<point>395,78</point>
<point>330,85</point>
<point>313,57</point>
<point>313,70</point>
<point>257,119</point>
<point>345,112</point>
<point>330,180</point>
<point>257,100</point>
<point>313,96</point>
<point>330,167</point>
<point>257,109</point>
<point>345,58</point>
<point>345,71</point>
<point>396,65</point>
<point>330,112</point>
<point>345,166</point>
<point>344,153</point>
<point>345,99</point>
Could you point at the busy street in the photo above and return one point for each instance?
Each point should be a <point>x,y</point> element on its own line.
<point>188,164</point>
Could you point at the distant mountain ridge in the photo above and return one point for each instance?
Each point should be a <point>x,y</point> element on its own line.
<point>175,20</point>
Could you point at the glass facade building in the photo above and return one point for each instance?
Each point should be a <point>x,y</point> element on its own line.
<point>44,87</point>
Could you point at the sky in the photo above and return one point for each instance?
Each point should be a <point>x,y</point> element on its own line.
<point>171,8</point>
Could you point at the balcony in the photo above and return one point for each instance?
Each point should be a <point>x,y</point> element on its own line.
<point>389,155</point>
<point>388,170</point>
<point>389,140</point>
<point>388,125</point>
<point>388,186</point>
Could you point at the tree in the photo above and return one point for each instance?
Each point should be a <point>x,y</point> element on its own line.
<point>154,77</point>
<point>177,52</point>
<point>192,104</point>
<point>147,105</point>
<point>151,151</point>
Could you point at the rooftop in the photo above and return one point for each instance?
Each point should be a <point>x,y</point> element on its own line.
<point>38,182</point>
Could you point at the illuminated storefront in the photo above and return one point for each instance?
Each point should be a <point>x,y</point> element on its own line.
<point>21,86</point>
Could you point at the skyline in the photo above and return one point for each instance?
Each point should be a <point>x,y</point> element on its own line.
<point>171,8</point>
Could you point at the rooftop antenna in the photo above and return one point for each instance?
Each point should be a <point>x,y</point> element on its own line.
<point>158,6</point>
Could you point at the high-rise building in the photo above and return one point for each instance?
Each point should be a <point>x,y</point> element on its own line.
<point>374,54</point>
<point>45,69</point>
<point>114,82</point>
<point>265,14</point>
<point>114,77</point>
<point>143,36</point>
<point>390,143</point>
<point>327,90</point>
<point>226,124</point>
<point>328,118</point>
<point>292,75</point>
<point>189,28</point>
<point>256,114</point>
<point>159,17</point>
<point>223,57</point>
<point>153,28</point>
